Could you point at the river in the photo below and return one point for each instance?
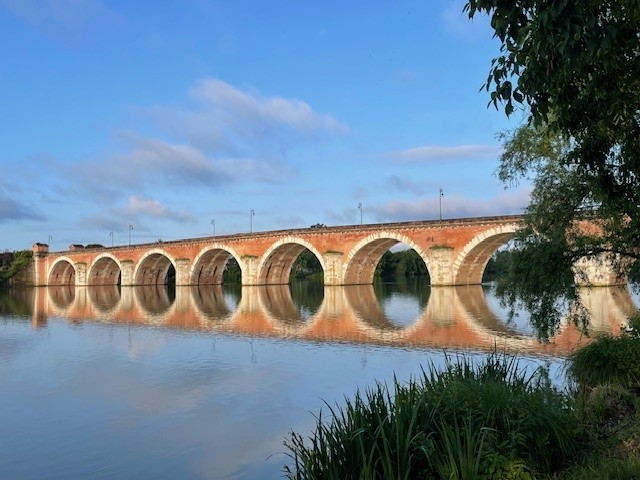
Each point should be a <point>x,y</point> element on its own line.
<point>207,382</point>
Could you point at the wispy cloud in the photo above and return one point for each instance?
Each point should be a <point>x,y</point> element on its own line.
<point>73,24</point>
<point>227,120</point>
<point>139,206</point>
<point>138,210</point>
<point>250,105</point>
<point>453,206</point>
<point>404,185</point>
<point>230,137</point>
<point>13,210</point>
<point>436,153</point>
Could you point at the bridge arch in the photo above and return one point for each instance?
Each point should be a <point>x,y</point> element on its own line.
<point>275,265</point>
<point>209,264</point>
<point>62,272</point>
<point>470,263</point>
<point>105,270</point>
<point>362,260</point>
<point>153,267</point>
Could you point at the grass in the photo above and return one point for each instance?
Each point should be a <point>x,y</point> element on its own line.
<point>466,421</point>
<point>486,420</point>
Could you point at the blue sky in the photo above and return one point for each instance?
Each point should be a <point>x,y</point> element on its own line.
<point>170,115</point>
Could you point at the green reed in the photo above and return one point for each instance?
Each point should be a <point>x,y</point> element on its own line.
<point>468,420</point>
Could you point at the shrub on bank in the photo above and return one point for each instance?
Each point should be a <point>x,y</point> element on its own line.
<point>14,266</point>
<point>607,360</point>
<point>492,419</point>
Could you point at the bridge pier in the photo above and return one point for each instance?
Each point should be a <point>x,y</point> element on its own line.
<point>596,272</point>
<point>440,265</point>
<point>126,273</point>
<point>183,266</point>
<point>333,268</point>
<point>249,267</point>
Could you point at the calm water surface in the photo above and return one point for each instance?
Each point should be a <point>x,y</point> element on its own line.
<point>205,383</point>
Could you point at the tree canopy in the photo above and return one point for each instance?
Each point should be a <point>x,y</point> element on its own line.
<point>573,66</point>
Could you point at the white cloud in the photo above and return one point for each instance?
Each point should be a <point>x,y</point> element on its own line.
<point>72,14</point>
<point>453,206</point>
<point>435,153</point>
<point>152,208</point>
<point>239,104</point>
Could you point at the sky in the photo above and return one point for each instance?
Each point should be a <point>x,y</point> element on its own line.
<point>175,119</point>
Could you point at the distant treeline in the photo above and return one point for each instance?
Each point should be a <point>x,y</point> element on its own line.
<point>14,267</point>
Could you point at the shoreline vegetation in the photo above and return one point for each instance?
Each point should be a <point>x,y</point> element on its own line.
<point>492,419</point>
<point>15,268</point>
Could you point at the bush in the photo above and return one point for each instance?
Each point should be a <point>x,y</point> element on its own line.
<point>13,264</point>
<point>607,360</point>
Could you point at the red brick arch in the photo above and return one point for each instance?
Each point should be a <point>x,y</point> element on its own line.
<point>153,267</point>
<point>473,258</point>
<point>362,260</point>
<point>62,272</point>
<point>275,266</point>
<point>208,266</point>
<point>105,270</point>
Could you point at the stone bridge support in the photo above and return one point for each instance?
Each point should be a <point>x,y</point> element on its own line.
<point>440,265</point>
<point>596,272</point>
<point>249,267</point>
<point>334,268</point>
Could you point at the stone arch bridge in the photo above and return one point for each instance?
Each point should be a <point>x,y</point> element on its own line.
<point>455,252</point>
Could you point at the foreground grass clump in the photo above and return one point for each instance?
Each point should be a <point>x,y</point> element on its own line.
<point>491,419</point>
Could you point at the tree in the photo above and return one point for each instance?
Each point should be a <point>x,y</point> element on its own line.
<point>574,67</point>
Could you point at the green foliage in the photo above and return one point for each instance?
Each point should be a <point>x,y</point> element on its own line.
<point>497,266</point>
<point>232,272</point>
<point>577,60</point>
<point>604,409</point>
<point>307,265</point>
<point>607,360</point>
<point>94,245</point>
<point>606,469</point>
<point>539,278</point>
<point>575,67</point>
<point>485,420</point>
<point>13,263</point>
<point>403,264</point>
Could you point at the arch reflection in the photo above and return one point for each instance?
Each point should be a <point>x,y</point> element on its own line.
<point>445,317</point>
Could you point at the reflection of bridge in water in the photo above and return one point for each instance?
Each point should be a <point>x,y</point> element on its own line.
<point>454,317</point>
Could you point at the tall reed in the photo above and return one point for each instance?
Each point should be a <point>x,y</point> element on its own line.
<point>468,420</point>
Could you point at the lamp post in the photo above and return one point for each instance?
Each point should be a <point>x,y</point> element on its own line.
<point>50,238</point>
<point>251,214</point>
<point>111,235</point>
<point>360,208</point>
<point>440,202</point>
<point>213,224</point>
<point>130,228</point>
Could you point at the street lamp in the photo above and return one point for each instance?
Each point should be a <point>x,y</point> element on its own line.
<point>213,224</point>
<point>251,214</point>
<point>130,228</point>
<point>50,238</point>
<point>440,202</point>
<point>111,235</point>
<point>360,208</point>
